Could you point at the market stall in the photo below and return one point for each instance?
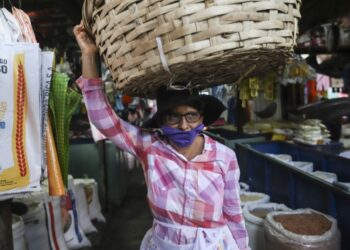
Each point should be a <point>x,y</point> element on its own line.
<point>280,68</point>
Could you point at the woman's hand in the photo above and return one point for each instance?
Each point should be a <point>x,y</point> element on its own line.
<point>86,44</point>
<point>88,52</point>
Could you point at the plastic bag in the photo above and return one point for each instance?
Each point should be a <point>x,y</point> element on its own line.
<point>253,198</point>
<point>43,221</point>
<point>244,187</point>
<point>254,215</point>
<point>277,237</point>
<point>82,208</point>
<point>9,28</point>
<point>18,237</point>
<point>73,233</point>
<point>40,234</point>
<point>20,118</point>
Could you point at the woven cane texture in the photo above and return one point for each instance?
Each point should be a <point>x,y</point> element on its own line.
<point>203,42</point>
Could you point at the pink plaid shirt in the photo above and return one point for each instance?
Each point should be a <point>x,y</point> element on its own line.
<point>202,192</point>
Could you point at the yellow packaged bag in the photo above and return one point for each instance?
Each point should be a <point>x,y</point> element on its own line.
<point>20,118</point>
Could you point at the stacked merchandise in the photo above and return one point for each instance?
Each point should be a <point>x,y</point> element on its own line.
<point>25,78</point>
<point>279,127</point>
<point>312,132</point>
<point>34,145</point>
<point>60,223</point>
<point>275,226</point>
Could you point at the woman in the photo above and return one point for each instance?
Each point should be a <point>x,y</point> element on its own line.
<point>192,180</point>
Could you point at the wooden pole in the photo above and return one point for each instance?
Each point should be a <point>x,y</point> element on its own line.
<point>5,225</point>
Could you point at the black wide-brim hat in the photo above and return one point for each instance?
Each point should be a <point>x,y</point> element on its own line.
<point>168,99</point>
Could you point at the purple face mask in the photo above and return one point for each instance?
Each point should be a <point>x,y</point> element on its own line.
<point>180,137</point>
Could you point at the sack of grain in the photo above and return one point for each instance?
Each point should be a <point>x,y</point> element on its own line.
<point>253,198</point>
<point>254,215</point>
<point>92,198</point>
<point>301,229</point>
<point>146,44</point>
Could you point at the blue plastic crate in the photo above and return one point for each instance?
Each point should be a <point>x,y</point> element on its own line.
<point>323,160</point>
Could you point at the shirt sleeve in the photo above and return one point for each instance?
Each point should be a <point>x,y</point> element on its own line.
<point>123,134</point>
<point>232,206</point>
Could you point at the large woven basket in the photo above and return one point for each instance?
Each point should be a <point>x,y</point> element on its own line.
<point>148,43</point>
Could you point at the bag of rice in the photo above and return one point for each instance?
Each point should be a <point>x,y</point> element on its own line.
<point>253,198</point>
<point>301,229</point>
<point>254,215</point>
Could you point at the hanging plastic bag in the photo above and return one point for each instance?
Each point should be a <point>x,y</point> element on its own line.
<point>20,118</point>
<point>9,28</point>
<point>47,64</point>
<point>26,29</point>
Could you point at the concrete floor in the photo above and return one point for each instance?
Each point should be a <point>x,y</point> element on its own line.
<point>126,225</point>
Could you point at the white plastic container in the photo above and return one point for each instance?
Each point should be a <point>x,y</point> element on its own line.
<point>18,237</point>
<point>327,176</point>
<point>253,198</point>
<point>345,154</point>
<point>303,165</point>
<point>346,130</point>
<point>281,157</point>
<point>254,215</point>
